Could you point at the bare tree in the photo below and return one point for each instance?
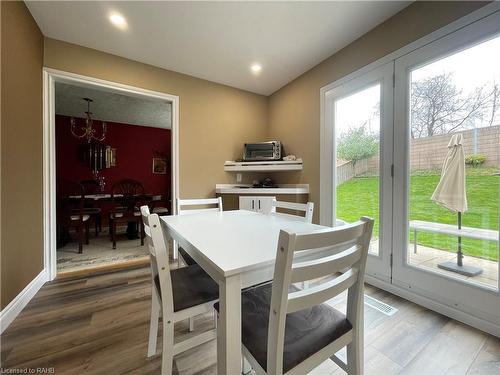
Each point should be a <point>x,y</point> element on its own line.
<point>495,103</point>
<point>439,107</point>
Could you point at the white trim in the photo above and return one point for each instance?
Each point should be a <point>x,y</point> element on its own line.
<point>14,308</point>
<point>432,304</point>
<point>50,76</point>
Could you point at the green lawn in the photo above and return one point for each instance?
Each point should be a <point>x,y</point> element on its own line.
<point>359,197</point>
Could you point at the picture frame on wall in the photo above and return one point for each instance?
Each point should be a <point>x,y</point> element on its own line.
<point>159,166</point>
<point>110,157</point>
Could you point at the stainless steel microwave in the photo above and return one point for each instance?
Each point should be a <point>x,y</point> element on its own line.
<point>271,150</point>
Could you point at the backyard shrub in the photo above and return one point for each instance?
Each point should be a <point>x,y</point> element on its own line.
<point>357,144</point>
<point>475,160</point>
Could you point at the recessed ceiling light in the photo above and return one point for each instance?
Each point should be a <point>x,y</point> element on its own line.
<point>118,20</point>
<point>256,68</point>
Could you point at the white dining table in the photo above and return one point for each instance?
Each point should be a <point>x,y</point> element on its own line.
<point>237,249</point>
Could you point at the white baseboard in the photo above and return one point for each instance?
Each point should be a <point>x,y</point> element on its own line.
<point>461,316</point>
<point>14,308</point>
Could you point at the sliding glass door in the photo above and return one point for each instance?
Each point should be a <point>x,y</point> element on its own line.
<point>415,144</point>
<point>447,164</point>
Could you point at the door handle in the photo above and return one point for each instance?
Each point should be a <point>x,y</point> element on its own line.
<point>259,204</point>
<point>253,204</point>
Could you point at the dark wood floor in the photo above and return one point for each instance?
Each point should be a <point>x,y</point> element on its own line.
<point>99,325</point>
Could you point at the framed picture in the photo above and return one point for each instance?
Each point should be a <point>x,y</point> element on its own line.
<point>110,157</point>
<point>159,166</point>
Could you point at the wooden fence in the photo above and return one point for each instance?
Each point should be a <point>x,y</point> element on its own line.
<point>345,171</point>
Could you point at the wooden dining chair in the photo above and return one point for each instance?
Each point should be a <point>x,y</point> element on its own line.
<point>306,208</point>
<point>177,295</point>
<point>70,211</point>
<point>92,187</point>
<point>127,195</point>
<point>290,331</point>
<point>181,204</point>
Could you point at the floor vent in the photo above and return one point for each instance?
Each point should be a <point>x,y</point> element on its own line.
<point>380,306</point>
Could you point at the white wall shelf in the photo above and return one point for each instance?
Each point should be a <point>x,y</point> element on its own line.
<point>263,166</point>
<point>241,189</point>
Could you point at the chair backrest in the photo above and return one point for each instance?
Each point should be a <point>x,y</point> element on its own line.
<point>307,208</point>
<point>127,187</point>
<point>71,200</point>
<point>160,268</point>
<point>182,203</point>
<point>128,193</point>
<point>349,246</point>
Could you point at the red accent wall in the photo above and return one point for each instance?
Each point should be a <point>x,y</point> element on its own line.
<point>135,148</point>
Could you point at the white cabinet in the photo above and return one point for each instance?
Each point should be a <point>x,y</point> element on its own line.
<point>257,204</point>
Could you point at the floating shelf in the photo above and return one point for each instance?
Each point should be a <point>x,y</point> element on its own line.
<point>242,189</point>
<point>263,166</point>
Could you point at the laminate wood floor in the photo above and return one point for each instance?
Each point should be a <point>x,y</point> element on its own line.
<point>99,325</point>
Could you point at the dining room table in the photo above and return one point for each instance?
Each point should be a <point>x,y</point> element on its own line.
<point>238,250</point>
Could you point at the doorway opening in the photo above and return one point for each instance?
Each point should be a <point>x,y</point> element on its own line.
<point>109,149</point>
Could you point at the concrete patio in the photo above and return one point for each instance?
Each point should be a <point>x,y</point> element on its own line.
<point>429,258</point>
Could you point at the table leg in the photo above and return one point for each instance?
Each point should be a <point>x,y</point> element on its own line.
<point>229,329</point>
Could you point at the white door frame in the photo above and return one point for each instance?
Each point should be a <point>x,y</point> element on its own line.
<point>50,77</point>
<point>377,265</point>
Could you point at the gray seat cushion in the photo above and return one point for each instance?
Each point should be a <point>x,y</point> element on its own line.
<point>191,287</point>
<point>306,331</point>
<point>187,258</point>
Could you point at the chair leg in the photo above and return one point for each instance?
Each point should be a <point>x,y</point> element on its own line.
<point>80,238</point>
<point>355,359</point>
<point>167,357</point>
<point>246,367</point>
<point>87,230</point>
<point>153,324</point>
<point>141,231</point>
<point>113,235</point>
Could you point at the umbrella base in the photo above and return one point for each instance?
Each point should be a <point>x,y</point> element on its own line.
<point>464,270</point>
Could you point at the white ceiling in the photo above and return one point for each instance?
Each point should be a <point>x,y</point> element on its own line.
<point>217,41</point>
<point>112,107</point>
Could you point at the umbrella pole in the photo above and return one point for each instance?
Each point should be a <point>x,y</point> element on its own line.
<point>460,256</point>
<point>459,266</point>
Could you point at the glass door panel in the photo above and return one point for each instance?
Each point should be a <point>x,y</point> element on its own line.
<point>447,171</point>
<point>357,127</point>
<point>362,121</point>
<point>456,96</point>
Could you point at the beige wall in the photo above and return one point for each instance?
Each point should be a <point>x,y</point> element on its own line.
<point>21,154</point>
<point>294,110</point>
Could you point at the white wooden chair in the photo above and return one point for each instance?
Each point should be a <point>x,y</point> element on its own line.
<point>292,331</point>
<point>181,204</point>
<point>307,208</point>
<point>178,295</point>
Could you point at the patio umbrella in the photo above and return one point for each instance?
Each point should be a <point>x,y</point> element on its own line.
<point>451,194</point>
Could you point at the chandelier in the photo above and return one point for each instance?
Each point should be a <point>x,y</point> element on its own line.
<point>87,131</point>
